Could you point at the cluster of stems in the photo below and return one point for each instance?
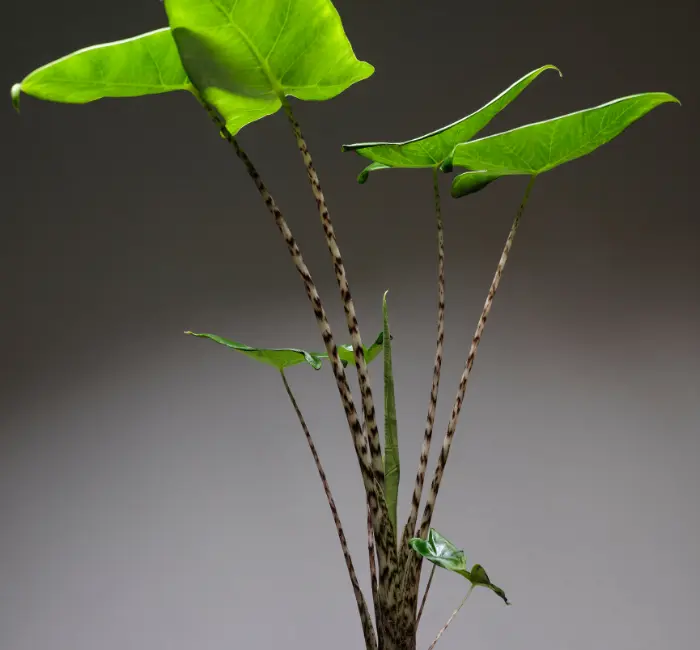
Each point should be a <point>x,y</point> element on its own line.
<point>394,569</point>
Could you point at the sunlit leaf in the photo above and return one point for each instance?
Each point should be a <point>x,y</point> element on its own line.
<point>279,358</point>
<point>445,554</point>
<point>536,148</point>
<point>143,65</point>
<point>431,149</point>
<point>392,464</point>
<point>245,55</point>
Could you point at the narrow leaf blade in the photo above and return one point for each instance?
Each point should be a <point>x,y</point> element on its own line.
<point>279,358</point>
<point>392,466</point>
<point>245,55</point>
<point>536,148</point>
<point>432,148</point>
<point>143,65</point>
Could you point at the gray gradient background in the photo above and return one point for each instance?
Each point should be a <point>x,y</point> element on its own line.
<point>156,491</point>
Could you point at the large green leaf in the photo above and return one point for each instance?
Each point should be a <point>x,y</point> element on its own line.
<point>431,149</point>
<point>537,148</point>
<point>244,56</point>
<point>442,552</point>
<point>279,358</point>
<point>392,464</point>
<point>143,65</point>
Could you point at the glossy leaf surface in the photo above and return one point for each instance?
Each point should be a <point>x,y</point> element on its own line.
<point>279,358</point>
<point>245,55</point>
<point>431,149</point>
<point>445,554</point>
<point>537,148</point>
<point>143,65</point>
<point>392,463</point>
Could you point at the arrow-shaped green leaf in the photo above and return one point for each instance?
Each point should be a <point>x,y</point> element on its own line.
<point>244,56</point>
<point>281,358</point>
<point>440,551</point>
<point>143,65</point>
<point>392,463</point>
<point>431,149</point>
<point>537,148</point>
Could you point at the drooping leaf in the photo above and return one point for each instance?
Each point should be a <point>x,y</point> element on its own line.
<point>445,554</point>
<point>284,357</point>
<point>440,551</point>
<point>431,149</point>
<point>279,358</point>
<point>244,56</point>
<point>537,148</point>
<point>143,65</point>
<point>392,464</point>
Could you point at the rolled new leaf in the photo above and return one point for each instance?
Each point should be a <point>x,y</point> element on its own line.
<point>392,463</point>
<point>143,65</point>
<point>282,358</point>
<point>536,148</point>
<point>440,551</point>
<point>429,150</point>
<point>245,56</point>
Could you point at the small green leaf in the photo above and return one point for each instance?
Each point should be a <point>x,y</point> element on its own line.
<point>279,358</point>
<point>479,578</point>
<point>431,149</point>
<point>536,148</point>
<point>445,554</point>
<point>440,551</point>
<point>392,467</point>
<point>245,56</point>
<point>347,354</point>
<point>143,65</point>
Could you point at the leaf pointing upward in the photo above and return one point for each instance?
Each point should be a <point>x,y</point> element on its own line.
<point>537,148</point>
<point>431,149</point>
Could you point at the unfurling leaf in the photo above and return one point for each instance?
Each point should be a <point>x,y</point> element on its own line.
<point>392,464</point>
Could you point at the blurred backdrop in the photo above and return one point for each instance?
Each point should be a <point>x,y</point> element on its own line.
<point>156,490</point>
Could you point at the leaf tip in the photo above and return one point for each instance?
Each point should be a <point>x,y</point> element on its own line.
<point>15,92</point>
<point>363,176</point>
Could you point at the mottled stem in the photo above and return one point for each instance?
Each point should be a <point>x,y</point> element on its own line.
<point>425,594</point>
<point>365,618</point>
<point>373,578</point>
<point>456,409</point>
<point>385,536</point>
<point>359,437</point>
<point>444,627</point>
<point>409,529</point>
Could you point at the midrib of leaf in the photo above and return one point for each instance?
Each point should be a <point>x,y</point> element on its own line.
<point>262,61</point>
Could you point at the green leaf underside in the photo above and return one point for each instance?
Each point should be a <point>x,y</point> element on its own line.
<point>143,65</point>
<point>536,148</point>
<point>431,149</point>
<point>281,358</point>
<point>392,464</point>
<point>440,551</point>
<point>244,56</point>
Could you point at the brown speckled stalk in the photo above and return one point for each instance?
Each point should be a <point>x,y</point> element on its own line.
<point>409,529</point>
<point>365,618</point>
<point>373,578</point>
<point>412,588</point>
<point>385,537</point>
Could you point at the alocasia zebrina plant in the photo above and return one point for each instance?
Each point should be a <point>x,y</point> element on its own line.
<point>241,60</point>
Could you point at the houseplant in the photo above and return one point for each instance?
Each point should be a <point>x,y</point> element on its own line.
<point>241,61</point>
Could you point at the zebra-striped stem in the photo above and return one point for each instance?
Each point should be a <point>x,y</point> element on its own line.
<point>365,618</point>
